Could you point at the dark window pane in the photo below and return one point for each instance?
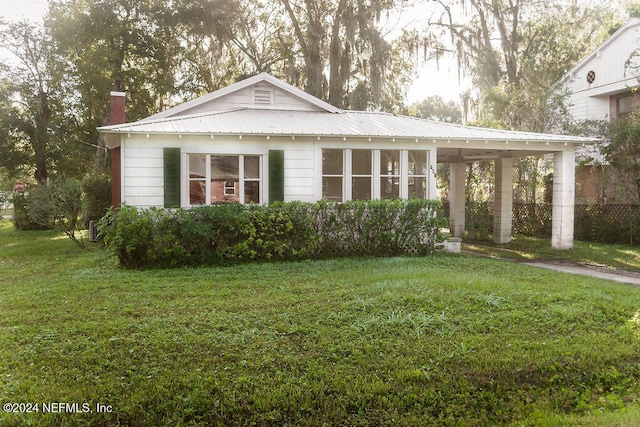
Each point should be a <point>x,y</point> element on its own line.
<point>332,188</point>
<point>389,188</point>
<point>361,188</point>
<point>417,162</point>
<point>197,165</point>
<point>361,160</point>
<point>331,162</point>
<point>251,167</point>
<point>252,192</point>
<point>418,188</point>
<point>224,167</point>
<point>389,162</point>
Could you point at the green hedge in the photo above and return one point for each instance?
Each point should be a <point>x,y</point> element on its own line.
<point>229,233</point>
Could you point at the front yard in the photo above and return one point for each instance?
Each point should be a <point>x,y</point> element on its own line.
<point>400,341</point>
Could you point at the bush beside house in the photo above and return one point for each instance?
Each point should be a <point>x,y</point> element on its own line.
<point>231,233</point>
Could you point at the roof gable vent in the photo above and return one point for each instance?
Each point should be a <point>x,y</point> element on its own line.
<point>262,96</point>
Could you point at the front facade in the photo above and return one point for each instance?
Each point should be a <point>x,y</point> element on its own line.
<point>261,140</point>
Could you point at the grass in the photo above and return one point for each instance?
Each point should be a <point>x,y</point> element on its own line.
<point>524,248</point>
<point>441,340</point>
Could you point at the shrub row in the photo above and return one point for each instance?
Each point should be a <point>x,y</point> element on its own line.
<point>229,233</point>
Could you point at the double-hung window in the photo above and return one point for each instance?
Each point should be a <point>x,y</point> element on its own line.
<point>332,174</point>
<point>389,174</point>
<point>417,172</point>
<point>361,173</point>
<point>222,178</point>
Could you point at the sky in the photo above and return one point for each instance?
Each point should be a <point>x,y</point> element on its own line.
<point>431,80</point>
<point>16,10</point>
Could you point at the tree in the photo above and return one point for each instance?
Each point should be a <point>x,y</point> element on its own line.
<point>436,108</point>
<point>345,37</point>
<point>623,152</point>
<point>33,98</point>
<point>515,50</point>
<point>112,45</point>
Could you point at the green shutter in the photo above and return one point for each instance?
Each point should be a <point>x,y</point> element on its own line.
<point>171,177</point>
<point>276,176</point>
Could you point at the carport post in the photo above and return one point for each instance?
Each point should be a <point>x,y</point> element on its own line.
<point>564,178</point>
<point>503,204</point>
<point>457,187</point>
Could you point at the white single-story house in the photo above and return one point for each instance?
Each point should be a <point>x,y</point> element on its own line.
<point>262,140</point>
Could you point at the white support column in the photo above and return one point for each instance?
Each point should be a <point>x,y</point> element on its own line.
<point>457,187</point>
<point>432,184</point>
<point>503,204</point>
<point>564,179</point>
<point>404,179</point>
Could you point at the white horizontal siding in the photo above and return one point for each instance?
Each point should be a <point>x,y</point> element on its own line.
<point>287,101</point>
<point>145,202</point>
<point>585,107</point>
<point>143,172</point>
<point>147,181</point>
<point>299,172</point>
<point>294,173</point>
<point>142,191</point>
<point>245,98</point>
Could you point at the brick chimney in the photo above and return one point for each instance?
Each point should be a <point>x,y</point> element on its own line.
<point>117,116</point>
<point>117,109</point>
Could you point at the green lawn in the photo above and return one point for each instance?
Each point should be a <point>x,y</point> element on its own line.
<point>441,340</point>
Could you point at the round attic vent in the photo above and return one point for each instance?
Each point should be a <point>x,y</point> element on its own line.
<point>591,77</point>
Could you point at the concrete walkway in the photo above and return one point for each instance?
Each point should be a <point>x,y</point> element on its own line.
<point>573,267</point>
<point>619,276</point>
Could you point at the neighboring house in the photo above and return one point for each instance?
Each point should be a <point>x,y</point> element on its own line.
<point>261,140</point>
<point>601,87</point>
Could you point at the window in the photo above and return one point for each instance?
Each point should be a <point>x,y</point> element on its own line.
<point>332,174</point>
<point>625,105</point>
<point>229,188</point>
<point>197,179</point>
<point>251,179</point>
<point>389,174</point>
<point>418,168</point>
<point>222,178</point>
<point>361,172</point>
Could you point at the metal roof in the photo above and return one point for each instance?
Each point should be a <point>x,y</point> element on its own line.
<point>272,122</point>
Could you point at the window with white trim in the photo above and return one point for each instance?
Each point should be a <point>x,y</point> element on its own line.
<point>222,178</point>
<point>332,174</point>
<point>417,171</point>
<point>389,174</point>
<point>360,174</point>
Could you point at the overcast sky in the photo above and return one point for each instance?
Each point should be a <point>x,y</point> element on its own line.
<point>16,10</point>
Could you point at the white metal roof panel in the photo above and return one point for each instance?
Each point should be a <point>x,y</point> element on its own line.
<point>255,121</point>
